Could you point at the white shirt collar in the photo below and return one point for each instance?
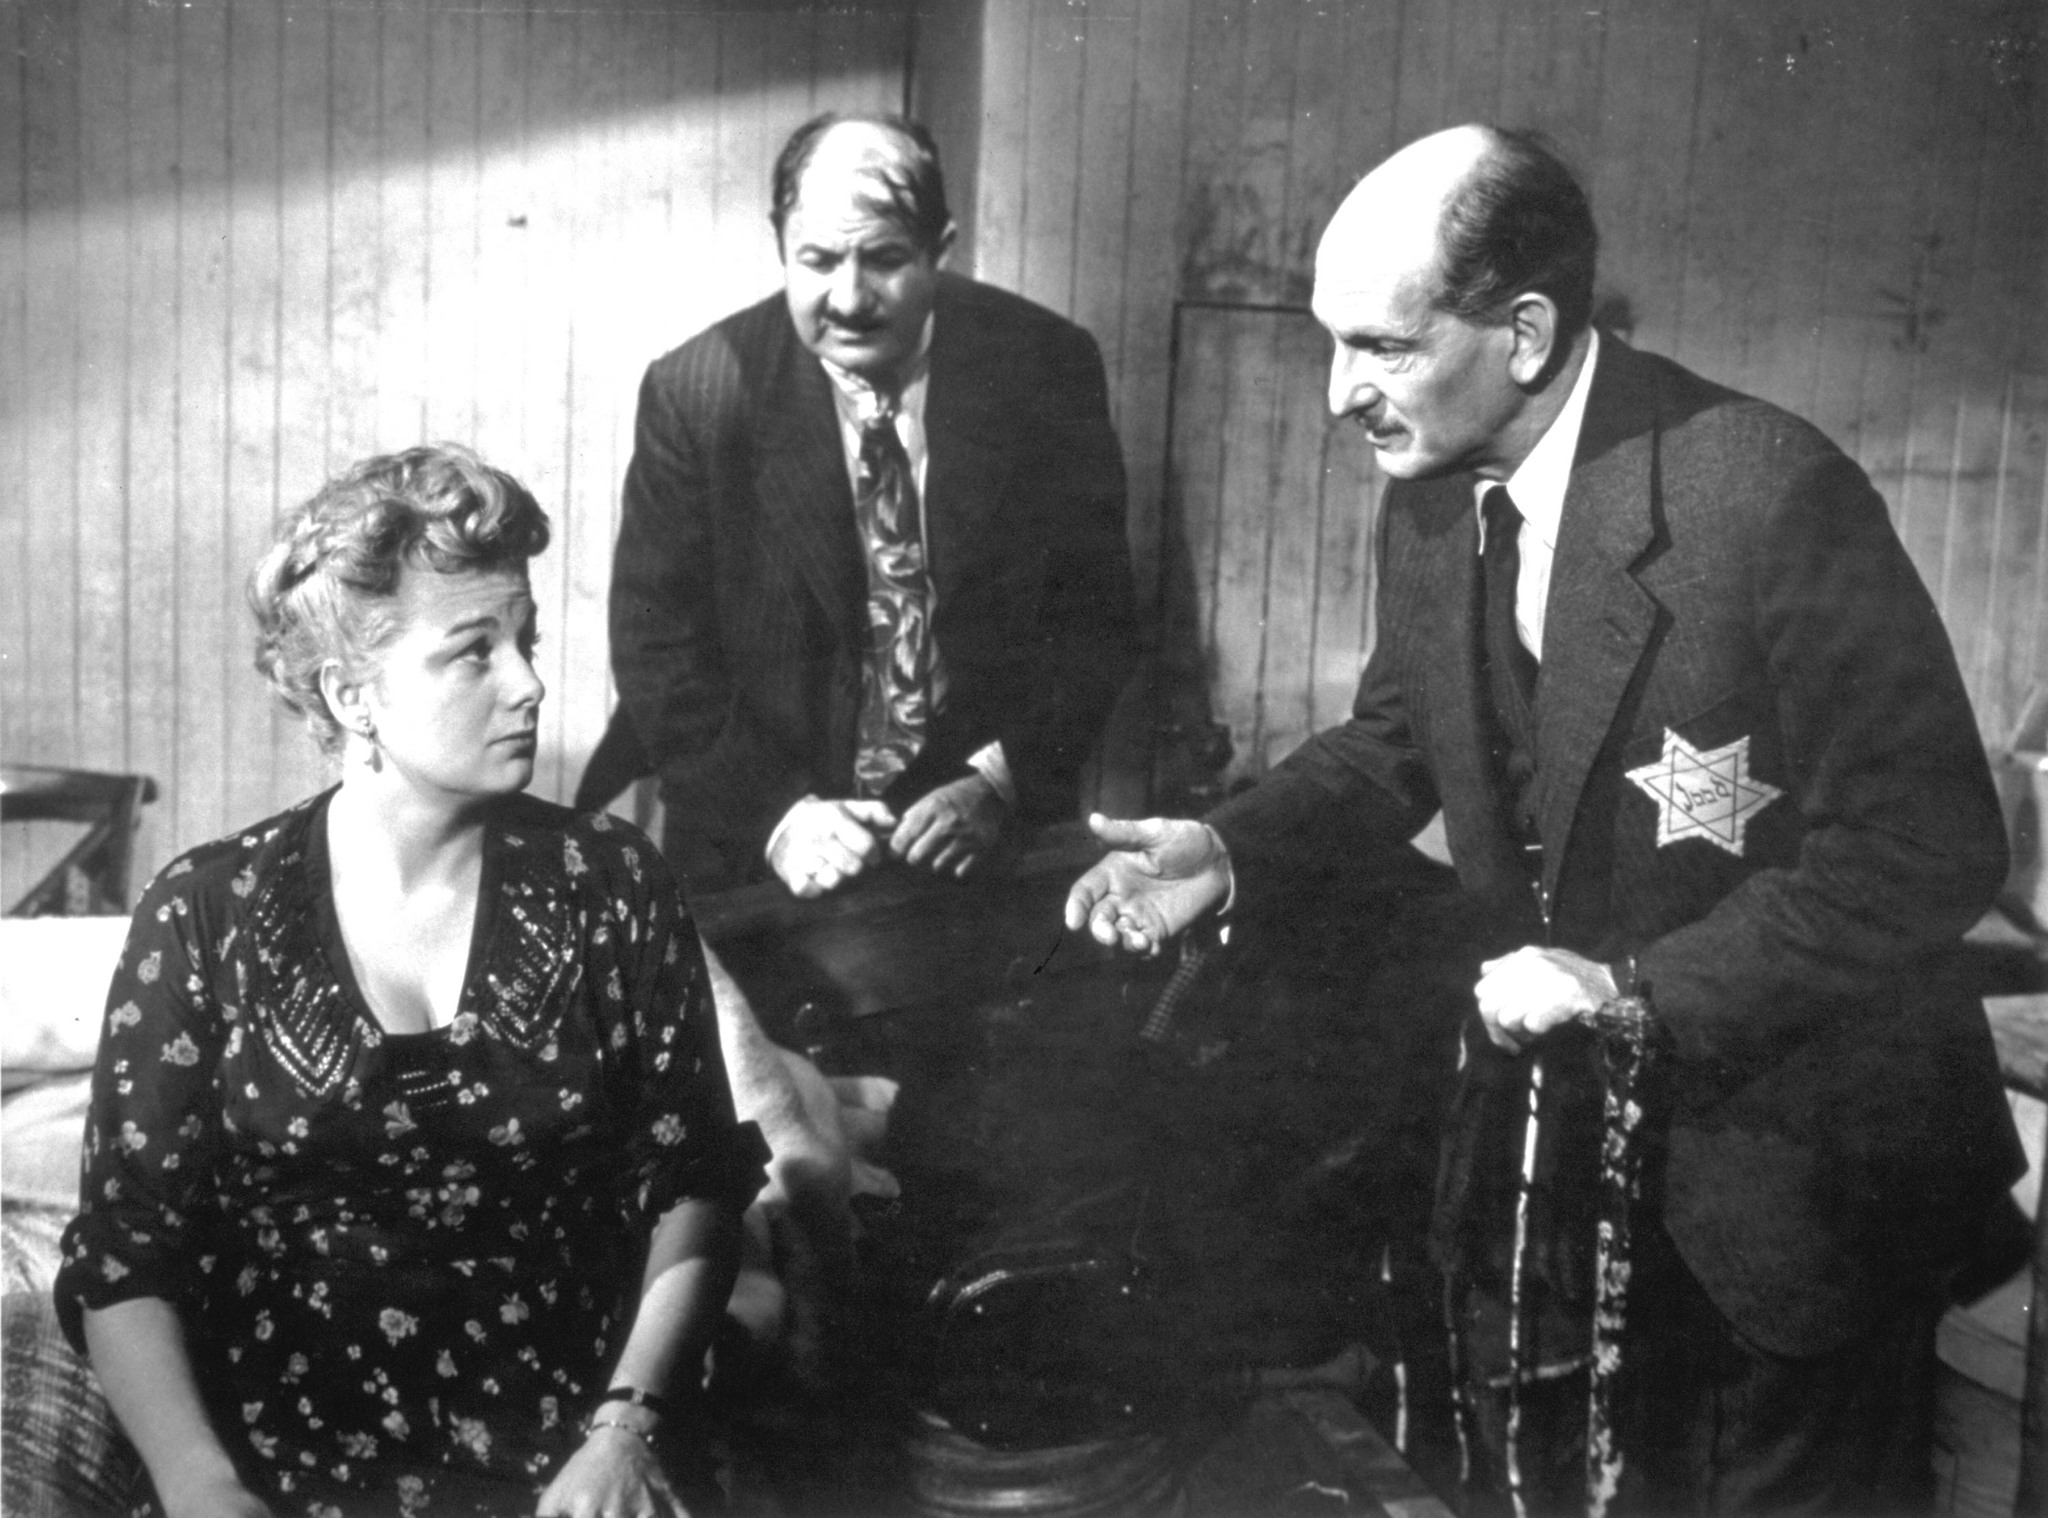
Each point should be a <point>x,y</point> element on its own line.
<point>1539,485</point>
<point>859,399</point>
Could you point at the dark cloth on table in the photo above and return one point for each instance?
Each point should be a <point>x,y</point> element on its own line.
<point>403,1261</point>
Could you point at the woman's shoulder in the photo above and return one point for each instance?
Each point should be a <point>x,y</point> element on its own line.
<point>589,844</point>
<point>235,861</point>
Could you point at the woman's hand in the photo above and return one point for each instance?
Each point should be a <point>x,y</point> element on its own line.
<point>614,1475</point>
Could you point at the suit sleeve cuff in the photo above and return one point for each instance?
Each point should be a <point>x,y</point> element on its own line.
<point>994,767</point>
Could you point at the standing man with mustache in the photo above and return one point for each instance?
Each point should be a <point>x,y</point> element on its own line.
<point>1703,756</point>
<point>871,595</point>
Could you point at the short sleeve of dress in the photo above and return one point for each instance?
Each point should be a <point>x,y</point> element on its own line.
<point>685,1140</point>
<point>153,1129</point>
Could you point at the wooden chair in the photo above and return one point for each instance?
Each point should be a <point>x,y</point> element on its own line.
<point>92,878</point>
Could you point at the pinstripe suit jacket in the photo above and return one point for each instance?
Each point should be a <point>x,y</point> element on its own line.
<point>739,583</point>
<point>1724,576</point>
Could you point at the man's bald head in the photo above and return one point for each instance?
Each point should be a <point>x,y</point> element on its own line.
<point>891,161</point>
<point>1456,281</point>
<point>1483,215</point>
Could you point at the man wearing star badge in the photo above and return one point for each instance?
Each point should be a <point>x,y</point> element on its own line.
<point>1701,750</point>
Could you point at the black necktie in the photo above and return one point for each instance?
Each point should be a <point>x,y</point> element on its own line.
<point>896,686</point>
<point>1501,568</point>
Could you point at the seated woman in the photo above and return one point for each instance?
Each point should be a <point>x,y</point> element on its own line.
<point>412,1179</point>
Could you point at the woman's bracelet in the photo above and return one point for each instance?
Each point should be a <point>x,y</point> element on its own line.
<point>633,1396</point>
<point>594,1424</point>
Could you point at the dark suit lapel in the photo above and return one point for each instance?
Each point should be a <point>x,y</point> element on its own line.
<point>1599,618</point>
<point>806,500</point>
<point>965,427</point>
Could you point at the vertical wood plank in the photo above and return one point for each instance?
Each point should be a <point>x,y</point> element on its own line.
<point>1052,170</point>
<point>1214,236</point>
<point>152,406</point>
<point>104,341</point>
<point>1000,191</point>
<point>41,696</point>
<point>356,255</point>
<point>505,212</point>
<point>1251,438</point>
<point>405,371</point>
<point>584,542</point>
<point>306,372</point>
<point>254,108</point>
<point>1293,571</point>
<point>544,459</point>
<point>452,231</point>
<point>203,577</point>
<point>19,855</point>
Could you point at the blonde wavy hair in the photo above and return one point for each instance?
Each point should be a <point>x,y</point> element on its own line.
<point>326,588</point>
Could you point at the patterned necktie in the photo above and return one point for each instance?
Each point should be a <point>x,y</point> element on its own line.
<point>896,688</point>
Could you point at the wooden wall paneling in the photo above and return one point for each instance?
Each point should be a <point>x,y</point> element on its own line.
<point>452,172</point>
<point>506,208</point>
<point>29,243</point>
<point>99,427</point>
<point>203,577</point>
<point>1295,547</point>
<point>1266,152</point>
<point>15,448</point>
<point>1640,182</point>
<point>1426,67</point>
<point>1135,326</point>
<point>1102,199</point>
<point>406,371</point>
<point>2000,660</point>
<point>2015,657</point>
<point>1347,506</point>
<point>1107,86</point>
<point>753,118</point>
<point>690,192</point>
<point>1369,100</point>
<point>1239,632</point>
<point>253,122</point>
<point>1142,374</point>
<point>552,209</point>
<point>947,65</point>
<point>358,260</point>
<point>1929,428</point>
<point>1729,192</point>
<point>1846,322</point>
<point>1052,167</point>
<point>1883,249</point>
<point>1551,73</point>
<point>1320,172</point>
<point>610,35</point>
<point>1204,369</point>
<point>151,492</point>
<point>2004,269</point>
<point>41,708</point>
<point>306,372</point>
<point>1217,239</point>
<point>1000,190</point>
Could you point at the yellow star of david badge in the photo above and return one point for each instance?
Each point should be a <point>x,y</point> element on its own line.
<point>1704,793</point>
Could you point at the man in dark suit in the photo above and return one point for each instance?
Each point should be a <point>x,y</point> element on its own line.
<point>871,594</point>
<point>1701,748</point>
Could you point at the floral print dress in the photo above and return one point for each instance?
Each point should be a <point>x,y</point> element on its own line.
<point>405,1262</point>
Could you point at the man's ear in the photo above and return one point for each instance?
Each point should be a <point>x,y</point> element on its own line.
<point>945,245</point>
<point>1534,321</point>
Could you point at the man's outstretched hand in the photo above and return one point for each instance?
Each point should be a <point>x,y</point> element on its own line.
<point>1165,873</point>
